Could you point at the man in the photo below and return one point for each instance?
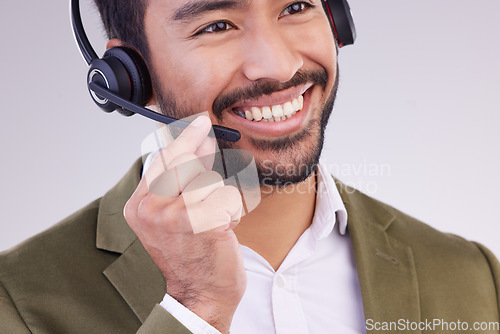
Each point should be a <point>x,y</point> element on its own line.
<point>289,266</point>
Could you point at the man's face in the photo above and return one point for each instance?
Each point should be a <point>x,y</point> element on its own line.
<point>243,61</point>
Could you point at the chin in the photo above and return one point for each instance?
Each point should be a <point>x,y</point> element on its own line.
<point>290,161</point>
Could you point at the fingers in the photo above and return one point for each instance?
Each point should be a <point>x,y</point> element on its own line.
<point>206,152</point>
<point>210,214</point>
<point>204,205</point>
<point>178,195</point>
<point>201,187</point>
<point>181,171</point>
<point>189,141</point>
<point>192,139</point>
<point>165,183</point>
<point>165,188</point>
<point>178,188</point>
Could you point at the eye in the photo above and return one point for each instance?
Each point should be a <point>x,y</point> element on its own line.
<point>215,27</point>
<point>296,8</point>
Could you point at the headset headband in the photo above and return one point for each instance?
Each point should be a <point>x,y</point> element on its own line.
<point>120,80</point>
<point>81,38</point>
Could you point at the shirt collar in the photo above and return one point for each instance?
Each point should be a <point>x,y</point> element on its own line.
<point>330,209</point>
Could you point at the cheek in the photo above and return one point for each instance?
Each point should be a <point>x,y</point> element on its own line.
<point>196,77</point>
<point>318,45</point>
<point>210,69</point>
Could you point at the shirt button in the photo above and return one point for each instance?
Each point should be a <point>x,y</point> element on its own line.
<point>280,281</point>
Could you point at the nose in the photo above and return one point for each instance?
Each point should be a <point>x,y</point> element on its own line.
<point>270,55</point>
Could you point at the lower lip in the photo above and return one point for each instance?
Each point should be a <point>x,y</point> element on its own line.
<point>272,129</point>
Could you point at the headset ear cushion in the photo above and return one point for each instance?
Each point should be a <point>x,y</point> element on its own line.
<point>140,80</point>
<point>109,73</point>
<point>339,14</point>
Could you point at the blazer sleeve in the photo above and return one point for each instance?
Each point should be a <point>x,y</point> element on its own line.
<point>10,319</point>
<point>158,322</point>
<point>495,269</point>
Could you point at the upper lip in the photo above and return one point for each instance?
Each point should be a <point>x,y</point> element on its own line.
<point>274,99</point>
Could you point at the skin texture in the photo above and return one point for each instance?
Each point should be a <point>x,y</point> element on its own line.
<point>260,52</point>
<point>211,286</point>
<point>262,48</point>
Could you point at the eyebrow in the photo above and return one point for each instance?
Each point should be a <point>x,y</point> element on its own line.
<point>193,8</point>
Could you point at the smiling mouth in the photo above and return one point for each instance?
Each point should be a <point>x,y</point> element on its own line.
<point>274,113</point>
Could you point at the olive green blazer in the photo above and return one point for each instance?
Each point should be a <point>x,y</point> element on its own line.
<point>90,273</point>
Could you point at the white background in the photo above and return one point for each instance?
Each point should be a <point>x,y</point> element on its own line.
<point>418,106</point>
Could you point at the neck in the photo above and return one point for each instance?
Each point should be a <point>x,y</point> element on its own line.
<point>279,220</point>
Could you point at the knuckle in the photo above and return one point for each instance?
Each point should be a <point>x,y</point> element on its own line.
<point>174,209</point>
<point>167,216</point>
<point>214,176</point>
<point>146,212</point>
<point>232,191</point>
<point>165,185</point>
<point>188,156</point>
<point>128,211</point>
<point>158,160</point>
<point>177,217</point>
<point>184,159</point>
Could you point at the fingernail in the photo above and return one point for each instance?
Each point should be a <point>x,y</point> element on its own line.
<point>198,121</point>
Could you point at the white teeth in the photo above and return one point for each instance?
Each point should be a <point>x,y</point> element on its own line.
<point>257,114</point>
<point>288,108</point>
<point>275,113</point>
<point>248,115</point>
<point>277,110</point>
<point>266,112</point>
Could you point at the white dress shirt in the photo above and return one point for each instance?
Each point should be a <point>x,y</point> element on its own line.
<point>315,290</point>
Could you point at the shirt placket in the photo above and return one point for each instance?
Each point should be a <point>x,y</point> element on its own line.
<point>287,310</point>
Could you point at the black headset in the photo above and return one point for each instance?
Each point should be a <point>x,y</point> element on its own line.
<point>120,80</point>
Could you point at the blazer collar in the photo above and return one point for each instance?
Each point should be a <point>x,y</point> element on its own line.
<point>133,274</point>
<point>113,232</point>
<point>385,265</point>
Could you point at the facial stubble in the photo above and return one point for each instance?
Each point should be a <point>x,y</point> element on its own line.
<point>293,158</point>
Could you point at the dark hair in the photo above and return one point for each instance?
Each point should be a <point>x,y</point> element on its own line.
<point>124,19</point>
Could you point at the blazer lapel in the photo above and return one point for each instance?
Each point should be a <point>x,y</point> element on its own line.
<point>137,279</point>
<point>386,271</point>
<point>134,274</point>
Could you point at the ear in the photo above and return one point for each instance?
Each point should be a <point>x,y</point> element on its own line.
<point>113,43</point>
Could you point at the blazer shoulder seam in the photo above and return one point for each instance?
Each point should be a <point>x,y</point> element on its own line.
<point>496,280</point>
<point>15,306</point>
